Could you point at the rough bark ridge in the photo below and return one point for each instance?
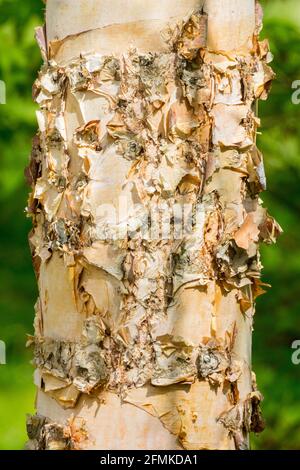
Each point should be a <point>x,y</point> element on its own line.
<point>147,221</point>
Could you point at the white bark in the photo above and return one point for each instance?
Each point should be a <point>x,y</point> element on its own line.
<point>205,330</point>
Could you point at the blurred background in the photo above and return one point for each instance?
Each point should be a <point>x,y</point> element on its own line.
<point>277,322</point>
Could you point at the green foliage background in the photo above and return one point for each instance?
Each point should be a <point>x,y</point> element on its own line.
<point>277,322</point>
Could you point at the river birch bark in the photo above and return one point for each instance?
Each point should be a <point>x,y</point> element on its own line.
<point>147,219</point>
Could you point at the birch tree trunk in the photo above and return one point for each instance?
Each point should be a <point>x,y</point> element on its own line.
<point>146,224</point>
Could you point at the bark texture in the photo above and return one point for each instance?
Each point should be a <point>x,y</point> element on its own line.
<point>147,221</point>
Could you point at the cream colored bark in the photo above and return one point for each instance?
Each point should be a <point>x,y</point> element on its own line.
<point>143,337</point>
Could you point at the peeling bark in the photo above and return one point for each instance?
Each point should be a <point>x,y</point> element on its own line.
<point>46,435</point>
<point>147,220</point>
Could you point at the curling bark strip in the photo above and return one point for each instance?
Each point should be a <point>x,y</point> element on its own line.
<point>147,339</point>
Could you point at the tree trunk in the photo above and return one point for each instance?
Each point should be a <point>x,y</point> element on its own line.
<point>147,222</point>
